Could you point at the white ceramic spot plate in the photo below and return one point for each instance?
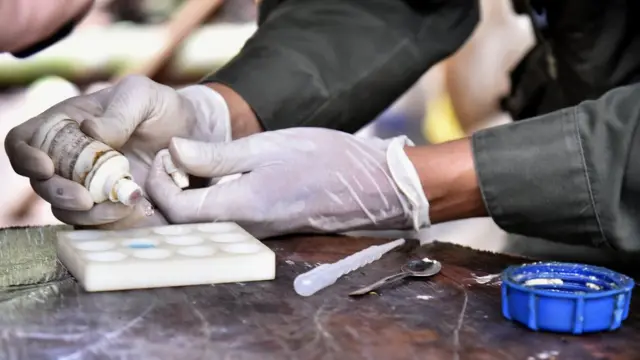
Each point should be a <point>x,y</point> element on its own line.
<point>175,255</point>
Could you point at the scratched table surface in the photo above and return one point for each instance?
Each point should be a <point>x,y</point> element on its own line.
<point>454,315</point>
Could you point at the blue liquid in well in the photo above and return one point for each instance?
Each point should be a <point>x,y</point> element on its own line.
<point>142,246</point>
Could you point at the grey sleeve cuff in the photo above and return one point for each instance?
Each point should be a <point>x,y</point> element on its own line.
<point>534,179</point>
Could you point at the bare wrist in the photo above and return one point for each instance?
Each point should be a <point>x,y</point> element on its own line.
<point>243,120</point>
<point>448,177</point>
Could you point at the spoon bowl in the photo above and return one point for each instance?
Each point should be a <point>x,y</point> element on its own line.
<point>423,267</point>
<point>414,268</point>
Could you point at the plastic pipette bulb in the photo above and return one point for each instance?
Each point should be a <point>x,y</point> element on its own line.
<point>324,275</point>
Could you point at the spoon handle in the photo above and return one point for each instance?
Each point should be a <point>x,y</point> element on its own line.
<point>380,283</point>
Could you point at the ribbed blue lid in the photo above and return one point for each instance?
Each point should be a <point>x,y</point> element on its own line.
<point>566,297</point>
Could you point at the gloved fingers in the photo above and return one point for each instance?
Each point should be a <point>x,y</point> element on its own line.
<point>63,194</point>
<point>136,219</point>
<point>100,214</point>
<point>27,160</point>
<point>180,206</point>
<point>163,192</point>
<point>98,88</point>
<point>126,105</point>
<point>209,160</point>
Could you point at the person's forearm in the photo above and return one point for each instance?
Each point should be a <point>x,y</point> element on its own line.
<point>348,64</point>
<point>243,120</point>
<point>449,179</point>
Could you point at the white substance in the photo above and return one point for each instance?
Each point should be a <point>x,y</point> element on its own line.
<point>593,286</point>
<point>424,297</point>
<point>535,282</point>
<point>99,168</point>
<point>164,257</point>
<point>545,355</point>
<point>484,279</point>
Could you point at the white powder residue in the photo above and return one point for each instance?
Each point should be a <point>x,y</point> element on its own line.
<point>593,286</point>
<point>486,278</point>
<point>424,297</point>
<point>534,282</point>
<point>545,355</point>
<point>290,262</point>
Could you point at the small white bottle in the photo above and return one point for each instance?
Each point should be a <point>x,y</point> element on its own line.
<point>99,168</point>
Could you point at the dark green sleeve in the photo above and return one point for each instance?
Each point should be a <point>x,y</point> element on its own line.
<point>339,63</point>
<point>571,175</point>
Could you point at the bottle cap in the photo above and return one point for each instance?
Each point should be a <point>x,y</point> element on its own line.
<point>566,297</point>
<point>128,192</point>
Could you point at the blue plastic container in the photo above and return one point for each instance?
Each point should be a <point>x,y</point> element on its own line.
<point>566,297</point>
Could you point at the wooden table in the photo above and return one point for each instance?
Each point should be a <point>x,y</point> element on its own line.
<point>455,315</point>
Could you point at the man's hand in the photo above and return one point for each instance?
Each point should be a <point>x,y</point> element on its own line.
<point>137,117</point>
<point>295,180</point>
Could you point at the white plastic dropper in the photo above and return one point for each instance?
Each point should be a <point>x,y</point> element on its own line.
<point>179,177</point>
<point>326,274</point>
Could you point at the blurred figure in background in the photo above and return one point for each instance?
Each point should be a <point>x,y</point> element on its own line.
<point>478,76</point>
<point>27,27</point>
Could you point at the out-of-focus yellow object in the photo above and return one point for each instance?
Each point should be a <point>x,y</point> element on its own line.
<point>440,122</point>
<point>477,76</point>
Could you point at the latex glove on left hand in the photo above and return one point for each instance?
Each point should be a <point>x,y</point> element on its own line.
<point>137,117</point>
<point>295,180</point>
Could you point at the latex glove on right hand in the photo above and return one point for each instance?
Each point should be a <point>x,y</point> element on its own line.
<point>138,117</point>
<point>295,180</point>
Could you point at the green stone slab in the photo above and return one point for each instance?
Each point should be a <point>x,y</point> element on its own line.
<point>28,256</point>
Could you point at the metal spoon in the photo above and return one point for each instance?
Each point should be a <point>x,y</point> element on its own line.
<point>419,268</point>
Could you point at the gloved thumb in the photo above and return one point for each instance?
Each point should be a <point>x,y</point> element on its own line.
<point>211,160</point>
<point>126,105</point>
<point>193,205</point>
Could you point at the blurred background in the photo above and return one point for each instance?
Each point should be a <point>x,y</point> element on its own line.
<point>177,42</point>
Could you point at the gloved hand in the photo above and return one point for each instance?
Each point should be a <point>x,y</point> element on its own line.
<point>137,117</point>
<point>295,180</point>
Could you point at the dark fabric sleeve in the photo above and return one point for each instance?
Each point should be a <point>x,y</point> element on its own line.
<point>339,63</point>
<point>572,175</point>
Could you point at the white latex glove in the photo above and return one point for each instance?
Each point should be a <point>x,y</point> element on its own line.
<point>295,180</point>
<point>137,117</point>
